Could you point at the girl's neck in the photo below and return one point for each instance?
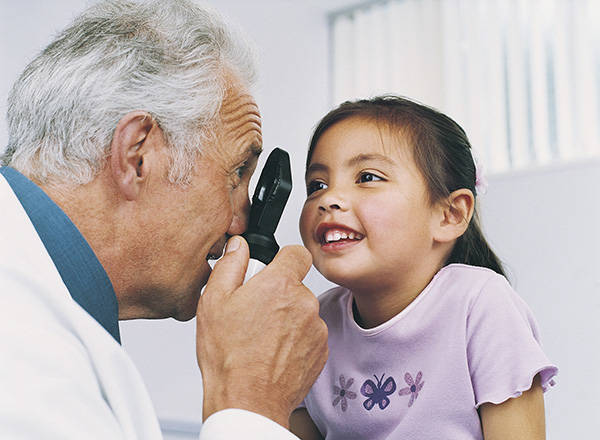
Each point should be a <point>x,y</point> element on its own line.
<point>380,302</point>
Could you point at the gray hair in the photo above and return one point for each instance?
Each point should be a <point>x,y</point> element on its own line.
<point>170,58</point>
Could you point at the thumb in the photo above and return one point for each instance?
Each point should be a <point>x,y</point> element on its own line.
<point>228,273</point>
<point>294,260</point>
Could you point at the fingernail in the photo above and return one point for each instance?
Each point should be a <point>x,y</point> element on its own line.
<point>232,244</point>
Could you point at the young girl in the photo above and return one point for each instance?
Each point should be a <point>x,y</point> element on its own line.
<point>427,340</point>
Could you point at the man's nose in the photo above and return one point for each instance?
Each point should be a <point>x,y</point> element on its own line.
<point>239,221</point>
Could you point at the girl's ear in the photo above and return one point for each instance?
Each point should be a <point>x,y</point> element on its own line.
<point>455,213</point>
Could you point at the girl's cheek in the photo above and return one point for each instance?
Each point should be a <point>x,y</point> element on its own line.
<point>377,217</point>
<point>304,223</point>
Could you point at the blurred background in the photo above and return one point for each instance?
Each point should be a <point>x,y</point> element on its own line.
<point>523,79</point>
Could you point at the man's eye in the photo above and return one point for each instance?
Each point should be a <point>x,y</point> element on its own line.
<point>239,174</point>
<point>368,177</point>
<point>315,185</point>
<point>241,171</point>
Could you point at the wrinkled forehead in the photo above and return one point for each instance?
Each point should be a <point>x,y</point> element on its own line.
<point>239,118</point>
<point>237,101</point>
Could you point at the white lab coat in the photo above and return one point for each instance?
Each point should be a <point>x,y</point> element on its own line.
<point>62,375</point>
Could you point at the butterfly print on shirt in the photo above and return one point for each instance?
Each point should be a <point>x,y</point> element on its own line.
<point>377,393</point>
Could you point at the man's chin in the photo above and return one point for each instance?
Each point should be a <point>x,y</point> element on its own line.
<point>189,311</point>
<point>185,317</point>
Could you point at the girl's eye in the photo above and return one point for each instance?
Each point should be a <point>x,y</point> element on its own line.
<point>315,185</point>
<point>368,177</point>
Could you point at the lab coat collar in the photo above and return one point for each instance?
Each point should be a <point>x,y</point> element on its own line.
<point>78,266</point>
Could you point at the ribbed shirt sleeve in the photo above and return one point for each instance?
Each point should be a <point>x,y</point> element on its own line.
<point>504,349</point>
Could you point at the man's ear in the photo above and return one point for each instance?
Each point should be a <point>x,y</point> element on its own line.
<point>128,149</point>
<point>455,213</point>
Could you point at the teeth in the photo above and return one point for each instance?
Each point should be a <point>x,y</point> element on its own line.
<point>334,235</point>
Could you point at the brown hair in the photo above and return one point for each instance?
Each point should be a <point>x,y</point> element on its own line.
<point>442,153</point>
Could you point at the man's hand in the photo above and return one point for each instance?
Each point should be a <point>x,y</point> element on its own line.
<point>261,345</point>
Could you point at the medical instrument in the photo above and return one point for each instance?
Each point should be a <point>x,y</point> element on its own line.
<point>270,196</point>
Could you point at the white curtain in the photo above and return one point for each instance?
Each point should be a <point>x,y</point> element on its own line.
<point>521,76</point>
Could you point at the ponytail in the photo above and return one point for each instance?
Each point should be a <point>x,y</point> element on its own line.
<point>472,248</point>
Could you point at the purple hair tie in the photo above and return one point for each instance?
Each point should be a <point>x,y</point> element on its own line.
<point>481,182</point>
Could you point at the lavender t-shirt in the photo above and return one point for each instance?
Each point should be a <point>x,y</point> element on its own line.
<point>467,339</point>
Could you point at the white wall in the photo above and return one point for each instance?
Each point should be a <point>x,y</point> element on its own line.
<point>26,27</point>
<point>543,223</point>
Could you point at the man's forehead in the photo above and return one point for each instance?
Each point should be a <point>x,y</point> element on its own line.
<point>237,100</point>
<point>238,109</point>
<point>240,124</point>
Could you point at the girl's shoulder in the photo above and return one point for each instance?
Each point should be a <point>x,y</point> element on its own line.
<point>333,300</point>
<point>467,286</point>
<point>467,269</point>
<point>470,279</point>
<point>482,289</point>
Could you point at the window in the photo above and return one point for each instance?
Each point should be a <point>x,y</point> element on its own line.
<point>521,76</point>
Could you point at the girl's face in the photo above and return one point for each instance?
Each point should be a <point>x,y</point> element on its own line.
<point>367,219</point>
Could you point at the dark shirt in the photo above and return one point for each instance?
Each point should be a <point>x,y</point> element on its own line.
<point>83,275</point>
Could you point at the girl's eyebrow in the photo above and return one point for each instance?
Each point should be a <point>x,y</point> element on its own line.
<point>315,166</point>
<point>353,161</point>
<point>364,157</point>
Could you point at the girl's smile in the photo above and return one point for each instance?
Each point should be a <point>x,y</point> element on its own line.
<point>334,237</point>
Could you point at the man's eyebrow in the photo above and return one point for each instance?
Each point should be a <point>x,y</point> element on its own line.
<point>254,150</point>
<point>353,161</point>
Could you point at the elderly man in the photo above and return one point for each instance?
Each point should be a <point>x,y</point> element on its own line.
<point>132,139</point>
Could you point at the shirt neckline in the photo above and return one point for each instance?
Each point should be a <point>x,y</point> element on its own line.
<point>396,318</point>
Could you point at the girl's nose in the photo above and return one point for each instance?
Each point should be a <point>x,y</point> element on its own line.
<point>332,207</point>
<point>332,202</point>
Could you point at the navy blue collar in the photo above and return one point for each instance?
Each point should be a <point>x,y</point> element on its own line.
<point>78,266</point>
